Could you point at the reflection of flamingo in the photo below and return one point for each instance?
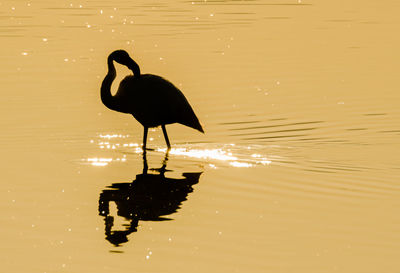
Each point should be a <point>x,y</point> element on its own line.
<point>152,100</point>
<point>150,197</point>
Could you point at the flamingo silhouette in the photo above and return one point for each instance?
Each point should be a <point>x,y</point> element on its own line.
<point>151,99</point>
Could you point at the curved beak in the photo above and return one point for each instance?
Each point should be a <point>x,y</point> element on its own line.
<point>132,65</point>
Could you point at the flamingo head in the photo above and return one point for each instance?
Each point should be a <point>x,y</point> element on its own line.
<point>121,57</point>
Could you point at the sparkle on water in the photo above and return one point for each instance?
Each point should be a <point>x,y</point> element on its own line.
<point>224,154</point>
<point>103,161</point>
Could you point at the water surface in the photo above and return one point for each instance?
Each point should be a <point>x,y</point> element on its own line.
<point>297,172</point>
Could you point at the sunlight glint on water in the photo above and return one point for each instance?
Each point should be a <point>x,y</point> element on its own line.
<point>207,155</point>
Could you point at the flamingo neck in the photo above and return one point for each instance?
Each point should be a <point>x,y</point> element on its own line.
<point>106,96</point>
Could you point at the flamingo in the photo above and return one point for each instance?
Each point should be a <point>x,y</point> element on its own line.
<point>151,99</point>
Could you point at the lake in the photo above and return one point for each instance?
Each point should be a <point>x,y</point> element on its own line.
<point>297,170</point>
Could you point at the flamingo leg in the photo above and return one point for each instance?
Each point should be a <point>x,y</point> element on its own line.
<point>145,166</point>
<point>166,136</point>
<point>145,138</point>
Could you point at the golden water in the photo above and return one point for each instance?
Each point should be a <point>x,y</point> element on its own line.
<point>299,164</point>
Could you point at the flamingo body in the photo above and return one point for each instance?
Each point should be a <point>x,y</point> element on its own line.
<point>154,101</point>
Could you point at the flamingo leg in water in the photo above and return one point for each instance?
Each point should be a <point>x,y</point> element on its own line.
<point>166,137</point>
<point>145,166</point>
<point>145,138</point>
